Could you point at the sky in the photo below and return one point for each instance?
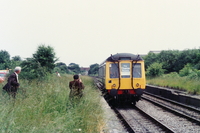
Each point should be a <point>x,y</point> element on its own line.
<point>86,32</point>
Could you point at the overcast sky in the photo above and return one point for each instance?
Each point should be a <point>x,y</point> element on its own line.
<point>86,32</point>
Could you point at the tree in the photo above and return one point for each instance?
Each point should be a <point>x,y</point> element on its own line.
<point>4,56</point>
<point>74,68</point>
<point>174,60</point>
<point>32,69</point>
<point>40,65</point>
<point>61,68</point>
<point>149,59</point>
<point>46,57</point>
<point>93,69</point>
<point>168,59</point>
<point>4,59</point>
<point>16,58</point>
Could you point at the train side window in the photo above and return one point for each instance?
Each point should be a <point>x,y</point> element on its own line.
<point>101,71</point>
<point>114,70</point>
<point>137,70</point>
<point>125,70</point>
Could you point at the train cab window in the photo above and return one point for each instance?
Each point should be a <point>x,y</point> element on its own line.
<point>114,73</point>
<point>137,70</point>
<point>125,70</point>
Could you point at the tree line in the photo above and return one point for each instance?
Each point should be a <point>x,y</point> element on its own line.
<point>42,63</point>
<point>183,63</point>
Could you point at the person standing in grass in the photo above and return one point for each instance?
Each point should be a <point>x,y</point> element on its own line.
<point>58,74</point>
<point>13,83</point>
<point>76,88</point>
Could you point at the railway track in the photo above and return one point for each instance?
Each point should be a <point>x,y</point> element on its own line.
<point>189,112</point>
<point>136,120</point>
<point>154,114</point>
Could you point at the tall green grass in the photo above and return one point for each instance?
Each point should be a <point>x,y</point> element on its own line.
<point>192,86</point>
<point>44,107</point>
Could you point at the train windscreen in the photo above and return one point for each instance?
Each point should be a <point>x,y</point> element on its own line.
<point>137,70</point>
<point>114,73</point>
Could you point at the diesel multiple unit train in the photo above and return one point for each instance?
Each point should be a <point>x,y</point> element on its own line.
<point>123,77</point>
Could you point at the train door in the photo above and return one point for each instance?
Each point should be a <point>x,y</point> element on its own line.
<point>125,72</point>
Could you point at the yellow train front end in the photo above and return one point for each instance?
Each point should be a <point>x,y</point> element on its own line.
<point>124,77</point>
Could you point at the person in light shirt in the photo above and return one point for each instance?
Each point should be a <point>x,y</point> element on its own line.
<point>13,83</point>
<point>58,74</point>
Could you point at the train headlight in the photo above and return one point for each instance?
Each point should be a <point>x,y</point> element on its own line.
<point>113,86</point>
<point>137,85</point>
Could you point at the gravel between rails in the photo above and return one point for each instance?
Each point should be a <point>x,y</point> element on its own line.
<point>138,122</point>
<point>192,113</point>
<point>176,123</point>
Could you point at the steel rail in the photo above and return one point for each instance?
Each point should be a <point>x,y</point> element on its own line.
<point>123,121</point>
<point>174,102</point>
<point>161,125</point>
<point>197,121</point>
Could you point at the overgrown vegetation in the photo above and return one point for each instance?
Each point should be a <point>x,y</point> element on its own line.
<point>42,63</point>
<point>74,68</point>
<point>154,70</point>
<point>44,107</point>
<point>94,68</point>
<point>175,69</point>
<point>174,60</point>
<point>175,81</point>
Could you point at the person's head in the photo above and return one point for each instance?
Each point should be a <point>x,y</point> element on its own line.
<point>76,77</point>
<point>18,69</point>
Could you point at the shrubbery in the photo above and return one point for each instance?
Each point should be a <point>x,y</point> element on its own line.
<point>42,63</point>
<point>187,79</point>
<point>174,60</point>
<point>93,69</point>
<point>155,70</point>
<point>189,72</point>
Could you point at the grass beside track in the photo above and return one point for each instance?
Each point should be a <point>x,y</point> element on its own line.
<point>192,86</point>
<point>44,107</point>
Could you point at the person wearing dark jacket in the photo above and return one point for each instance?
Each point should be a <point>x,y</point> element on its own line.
<point>13,83</point>
<point>76,88</point>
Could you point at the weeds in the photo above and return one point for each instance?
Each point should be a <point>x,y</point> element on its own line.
<point>44,107</point>
<point>192,86</point>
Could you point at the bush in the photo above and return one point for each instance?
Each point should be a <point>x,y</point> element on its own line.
<point>186,70</point>
<point>192,75</point>
<point>31,69</point>
<point>172,75</point>
<point>155,70</point>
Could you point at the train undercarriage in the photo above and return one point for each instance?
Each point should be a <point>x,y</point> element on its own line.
<point>124,97</point>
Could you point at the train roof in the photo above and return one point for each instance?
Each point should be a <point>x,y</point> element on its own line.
<point>124,56</point>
